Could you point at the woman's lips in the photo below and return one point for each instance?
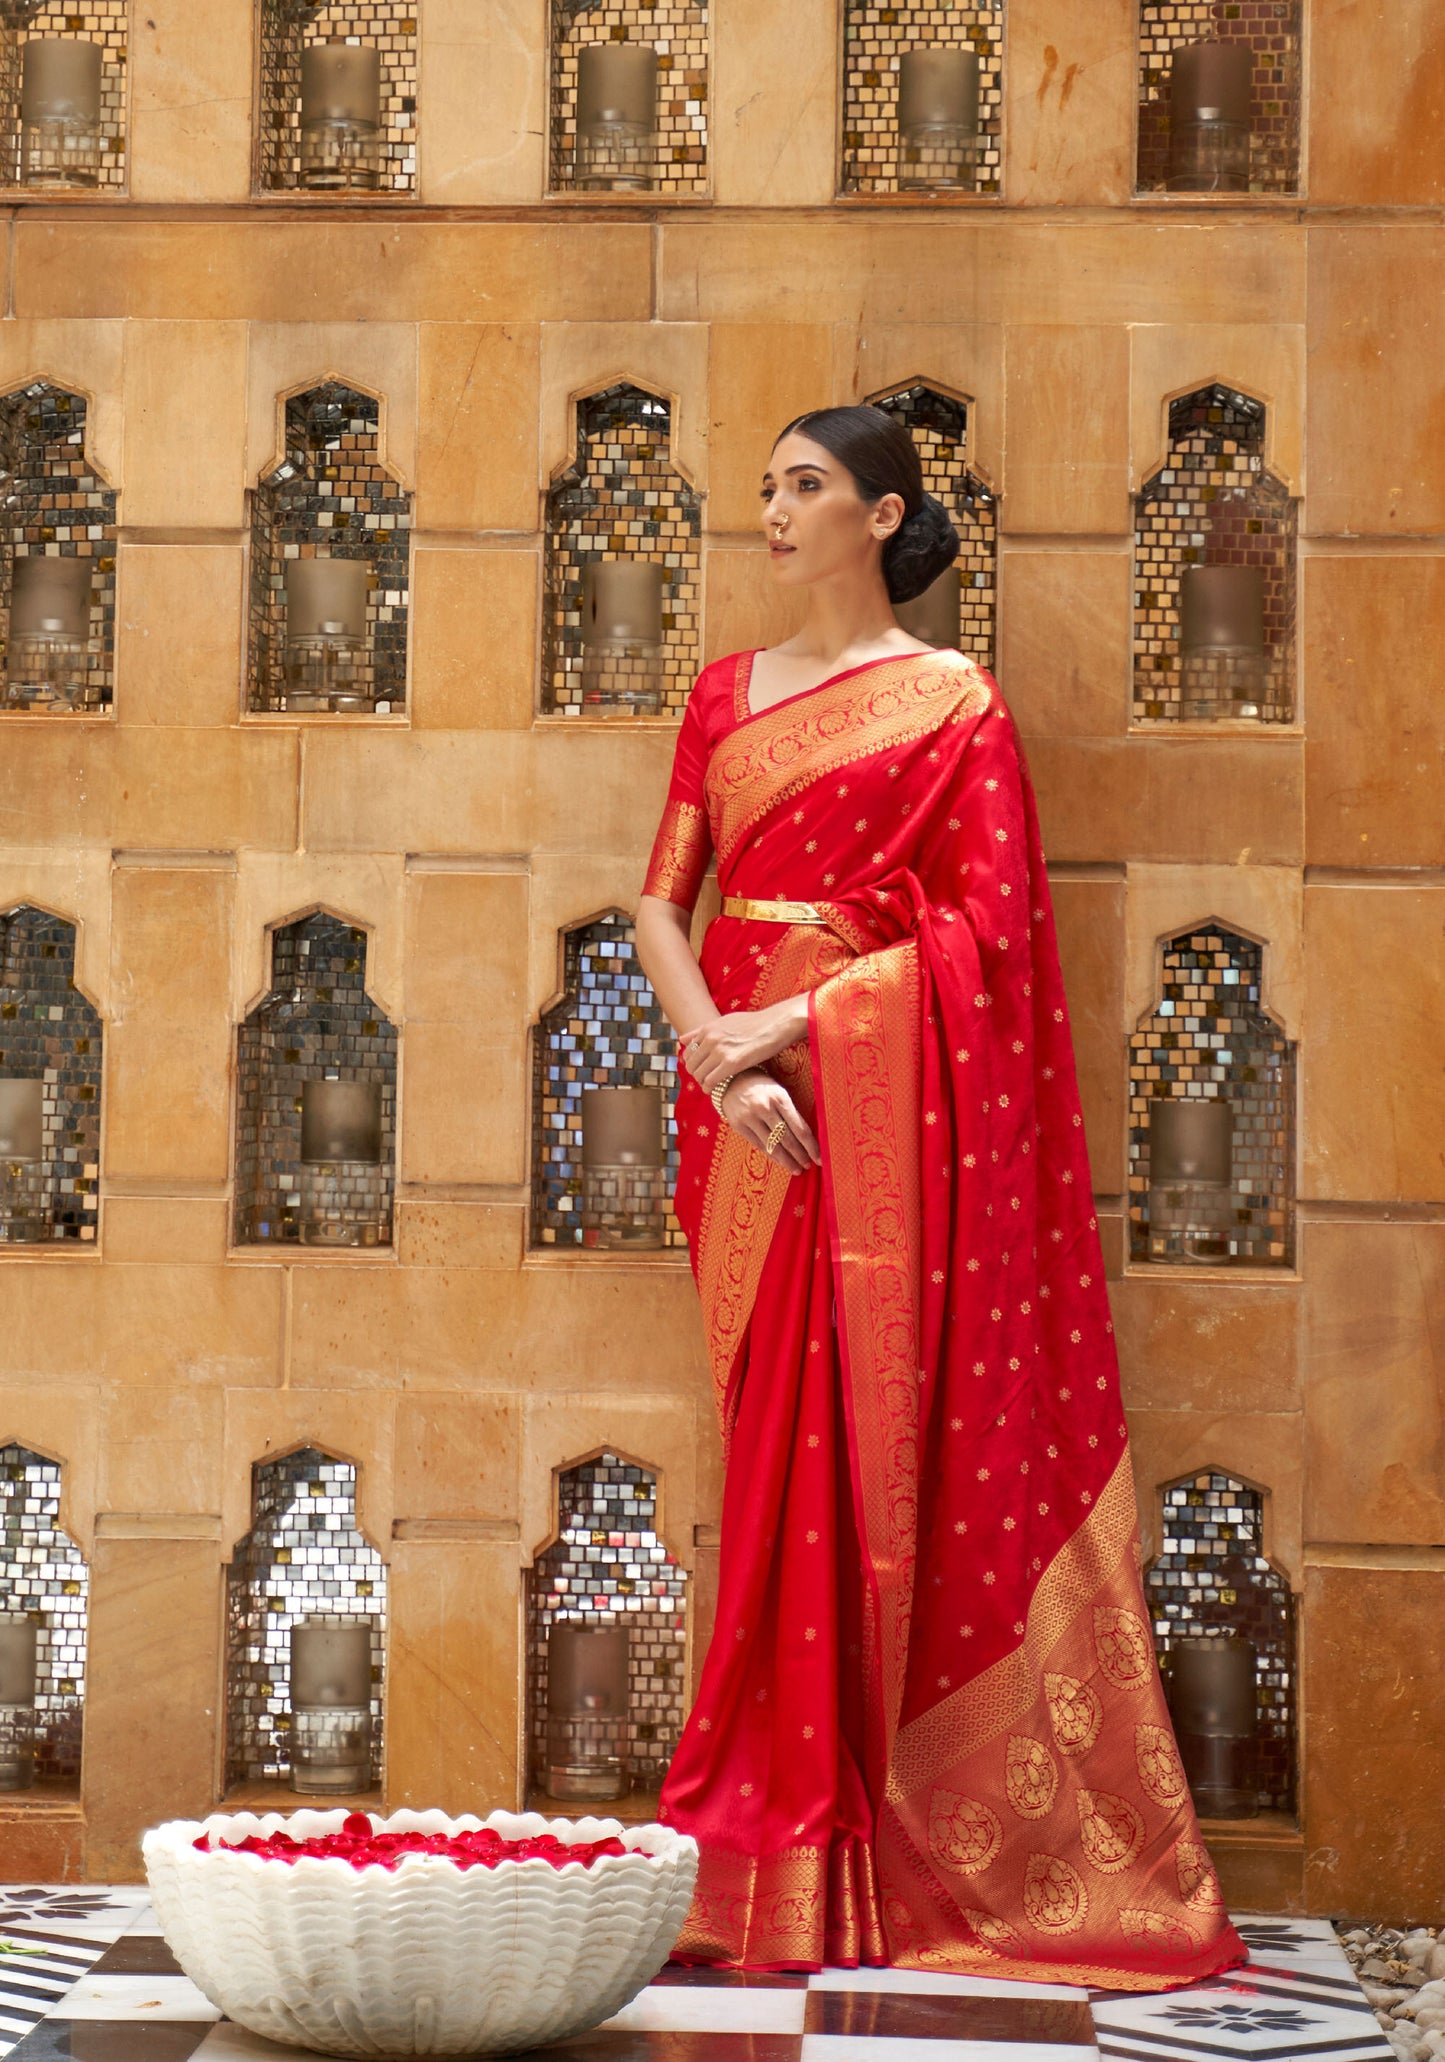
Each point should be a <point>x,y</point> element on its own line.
<point>780,550</point>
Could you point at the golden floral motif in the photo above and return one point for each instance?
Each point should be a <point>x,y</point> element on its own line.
<point>1156,1757</point>
<point>1155,1933</point>
<point>1075,1712</point>
<point>963,1835</point>
<point>794,1912</point>
<point>1031,1777</point>
<point>1198,1884</point>
<point>1055,1899</point>
<point>897,1916</point>
<point>994,1933</point>
<point>1111,1830</point>
<point>1121,1641</point>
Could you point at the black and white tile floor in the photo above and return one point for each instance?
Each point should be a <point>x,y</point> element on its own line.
<point>86,1977</point>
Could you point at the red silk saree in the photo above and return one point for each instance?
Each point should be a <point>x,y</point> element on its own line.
<point>930,1730</point>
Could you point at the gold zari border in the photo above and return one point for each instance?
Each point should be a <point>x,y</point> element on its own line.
<point>757,766</point>
<point>745,1190</point>
<point>680,853</point>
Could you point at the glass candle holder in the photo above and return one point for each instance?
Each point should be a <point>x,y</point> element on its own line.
<point>938,93</point>
<point>340,118</point>
<point>24,1197</point>
<point>1209,92</point>
<point>624,1194</point>
<point>17,1702</point>
<point>60,141</point>
<point>1214,1701</point>
<point>48,657</point>
<point>622,638</point>
<point>331,1705</point>
<point>587,1706</point>
<point>616,117</point>
<point>328,663</point>
<point>1191,1204</point>
<point>1221,642</point>
<point>935,614</point>
<point>343,1201</point>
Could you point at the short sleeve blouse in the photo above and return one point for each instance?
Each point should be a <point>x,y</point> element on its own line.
<point>683,845</point>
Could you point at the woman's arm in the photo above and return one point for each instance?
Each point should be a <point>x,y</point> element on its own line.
<point>664,946</point>
<point>713,1046</point>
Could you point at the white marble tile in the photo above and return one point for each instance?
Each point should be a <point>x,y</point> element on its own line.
<point>135,1997</point>
<point>1235,2022</point>
<point>930,1983</point>
<point>852,2047</point>
<point>145,1923</point>
<point>697,2008</point>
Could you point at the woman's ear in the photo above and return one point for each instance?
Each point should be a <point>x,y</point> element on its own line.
<point>887,515</point>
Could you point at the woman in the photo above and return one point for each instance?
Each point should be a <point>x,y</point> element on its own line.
<point>930,1729</point>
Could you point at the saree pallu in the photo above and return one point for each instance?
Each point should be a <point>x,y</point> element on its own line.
<point>930,1730</point>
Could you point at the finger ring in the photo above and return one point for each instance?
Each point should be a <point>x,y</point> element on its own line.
<point>774,1135</point>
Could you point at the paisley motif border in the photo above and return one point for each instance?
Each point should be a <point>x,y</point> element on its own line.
<point>997,1699</point>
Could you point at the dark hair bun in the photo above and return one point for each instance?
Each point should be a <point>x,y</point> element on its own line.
<point>924,545</point>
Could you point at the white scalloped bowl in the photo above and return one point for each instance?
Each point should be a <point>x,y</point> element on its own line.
<point>428,1958</point>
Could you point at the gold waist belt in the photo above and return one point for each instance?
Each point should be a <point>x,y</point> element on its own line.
<point>772,912</point>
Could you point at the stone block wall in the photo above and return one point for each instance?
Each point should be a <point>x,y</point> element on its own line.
<point>457,1369</point>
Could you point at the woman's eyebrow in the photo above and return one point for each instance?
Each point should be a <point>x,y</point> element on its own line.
<point>807,466</point>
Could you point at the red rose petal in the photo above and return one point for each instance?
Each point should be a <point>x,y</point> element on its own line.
<point>364,1846</point>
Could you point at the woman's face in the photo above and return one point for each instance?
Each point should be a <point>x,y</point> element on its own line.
<point>817,524</point>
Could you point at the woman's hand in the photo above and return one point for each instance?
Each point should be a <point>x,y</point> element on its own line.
<point>754,1105</point>
<point>745,1039</point>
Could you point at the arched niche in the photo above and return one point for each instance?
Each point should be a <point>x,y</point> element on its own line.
<point>50,1036</point>
<point>329,495</point>
<point>1209,1037</point>
<point>44,1577</point>
<point>621,496</point>
<point>57,504</point>
<point>606,1564</point>
<point>1213,502</point>
<point>1274,33</point>
<point>605,1029</point>
<point>287,27</point>
<point>874,38</point>
<point>316,1022</point>
<point>105,23</point>
<point>1211,1575</point>
<point>305,1556</point>
<point>679,31</point>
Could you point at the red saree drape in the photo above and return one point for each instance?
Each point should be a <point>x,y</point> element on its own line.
<point>930,1730</point>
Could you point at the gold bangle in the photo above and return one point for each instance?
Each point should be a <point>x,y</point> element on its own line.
<point>719,1089</point>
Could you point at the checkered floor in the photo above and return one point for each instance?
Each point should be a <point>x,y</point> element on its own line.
<point>86,1977</point>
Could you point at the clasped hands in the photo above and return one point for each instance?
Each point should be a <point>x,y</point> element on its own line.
<point>736,1047</point>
